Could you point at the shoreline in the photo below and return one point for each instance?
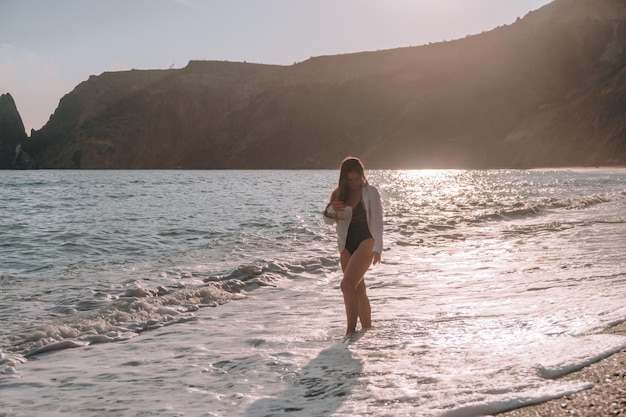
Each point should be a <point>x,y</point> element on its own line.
<point>606,398</point>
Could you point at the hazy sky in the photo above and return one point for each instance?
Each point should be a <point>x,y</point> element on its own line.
<point>48,47</point>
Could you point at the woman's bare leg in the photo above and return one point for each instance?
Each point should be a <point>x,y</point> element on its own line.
<point>353,287</point>
<point>365,311</point>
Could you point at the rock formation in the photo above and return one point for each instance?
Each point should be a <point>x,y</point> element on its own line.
<point>547,90</point>
<point>12,136</point>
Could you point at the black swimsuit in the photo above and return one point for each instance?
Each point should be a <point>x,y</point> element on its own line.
<point>358,231</point>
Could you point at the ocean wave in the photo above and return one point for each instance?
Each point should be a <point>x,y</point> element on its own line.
<point>409,229</point>
<point>532,209</point>
<point>268,273</point>
<point>523,210</point>
<point>119,317</point>
<point>110,317</point>
<point>508,213</point>
<point>9,363</point>
<point>576,202</point>
<point>538,228</point>
<point>137,310</point>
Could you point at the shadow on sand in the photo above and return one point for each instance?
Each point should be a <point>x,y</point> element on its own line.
<point>320,388</point>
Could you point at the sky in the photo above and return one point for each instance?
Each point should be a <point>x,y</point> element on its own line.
<point>49,47</point>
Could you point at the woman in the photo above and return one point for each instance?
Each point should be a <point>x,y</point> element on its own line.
<point>355,207</point>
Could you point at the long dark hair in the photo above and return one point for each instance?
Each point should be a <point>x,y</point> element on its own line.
<point>348,165</point>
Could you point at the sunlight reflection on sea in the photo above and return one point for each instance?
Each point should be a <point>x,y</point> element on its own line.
<point>222,289</point>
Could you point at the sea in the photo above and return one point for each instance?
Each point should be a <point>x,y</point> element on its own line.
<point>216,293</point>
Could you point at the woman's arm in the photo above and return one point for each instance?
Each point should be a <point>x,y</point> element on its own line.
<point>334,209</point>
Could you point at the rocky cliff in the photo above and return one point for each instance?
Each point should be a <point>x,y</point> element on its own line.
<point>548,90</point>
<point>12,136</point>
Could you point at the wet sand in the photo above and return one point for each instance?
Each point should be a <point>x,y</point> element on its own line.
<point>606,398</point>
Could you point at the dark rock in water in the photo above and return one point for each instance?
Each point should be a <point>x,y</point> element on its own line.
<point>12,136</point>
<point>547,90</point>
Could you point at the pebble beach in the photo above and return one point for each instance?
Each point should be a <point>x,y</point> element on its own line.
<point>607,397</point>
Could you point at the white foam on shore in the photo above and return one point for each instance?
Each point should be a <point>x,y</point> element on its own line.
<point>511,402</point>
<point>281,350</point>
<point>589,350</point>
